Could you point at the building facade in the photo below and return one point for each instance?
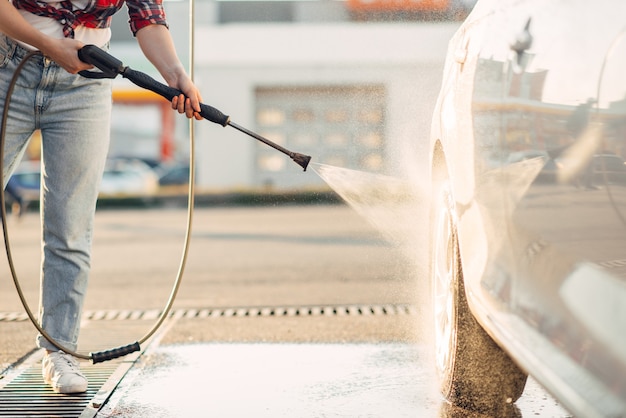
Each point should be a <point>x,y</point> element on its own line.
<point>353,94</point>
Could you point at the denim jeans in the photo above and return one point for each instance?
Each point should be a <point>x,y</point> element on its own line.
<point>73,114</point>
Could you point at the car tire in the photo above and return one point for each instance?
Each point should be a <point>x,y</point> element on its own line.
<point>448,410</point>
<point>475,373</point>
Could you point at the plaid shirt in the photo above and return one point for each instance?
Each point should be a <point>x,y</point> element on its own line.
<point>97,14</point>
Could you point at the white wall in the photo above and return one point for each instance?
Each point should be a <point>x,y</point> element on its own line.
<point>231,60</point>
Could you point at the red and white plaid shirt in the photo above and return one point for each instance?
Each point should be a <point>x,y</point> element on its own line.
<point>97,13</point>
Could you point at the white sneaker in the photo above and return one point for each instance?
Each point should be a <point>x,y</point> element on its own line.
<point>62,371</point>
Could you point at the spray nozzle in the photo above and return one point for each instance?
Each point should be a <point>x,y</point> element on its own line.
<point>301,159</point>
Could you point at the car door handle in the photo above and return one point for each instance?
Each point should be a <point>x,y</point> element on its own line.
<point>523,41</point>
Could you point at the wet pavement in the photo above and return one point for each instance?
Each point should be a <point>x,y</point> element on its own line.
<point>231,365</point>
<point>291,380</point>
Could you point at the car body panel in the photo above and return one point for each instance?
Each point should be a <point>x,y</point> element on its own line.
<point>543,246</point>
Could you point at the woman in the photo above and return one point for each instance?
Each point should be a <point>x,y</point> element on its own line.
<point>73,114</point>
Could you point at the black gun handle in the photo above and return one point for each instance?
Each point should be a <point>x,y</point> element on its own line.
<point>114,353</point>
<point>143,80</point>
<point>108,64</point>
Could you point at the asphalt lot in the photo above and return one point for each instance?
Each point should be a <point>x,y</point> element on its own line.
<point>265,256</point>
<point>311,266</point>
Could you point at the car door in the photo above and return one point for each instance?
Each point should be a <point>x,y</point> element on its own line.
<point>557,68</point>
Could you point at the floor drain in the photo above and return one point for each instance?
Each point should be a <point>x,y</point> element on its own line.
<point>23,392</point>
<point>276,311</point>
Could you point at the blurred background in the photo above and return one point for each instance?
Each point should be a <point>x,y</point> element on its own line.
<point>350,82</point>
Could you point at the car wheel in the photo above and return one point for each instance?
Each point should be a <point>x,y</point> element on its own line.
<point>475,373</point>
<point>447,410</point>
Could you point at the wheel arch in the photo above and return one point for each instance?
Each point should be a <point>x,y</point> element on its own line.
<point>486,378</point>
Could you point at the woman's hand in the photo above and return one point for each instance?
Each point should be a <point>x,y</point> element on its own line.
<point>65,53</point>
<point>188,102</point>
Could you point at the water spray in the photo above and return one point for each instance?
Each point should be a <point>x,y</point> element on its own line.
<point>111,67</point>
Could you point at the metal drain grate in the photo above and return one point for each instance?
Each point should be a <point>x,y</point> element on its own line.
<point>328,310</point>
<point>26,395</point>
<point>23,392</point>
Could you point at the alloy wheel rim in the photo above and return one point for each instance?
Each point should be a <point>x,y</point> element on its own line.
<point>444,292</point>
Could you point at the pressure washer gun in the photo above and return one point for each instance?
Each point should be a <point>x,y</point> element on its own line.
<point>111,67</point>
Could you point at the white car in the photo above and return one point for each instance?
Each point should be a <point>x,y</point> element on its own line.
<point>123,177</point>
<point>128,177</point>
<point>529,276</point>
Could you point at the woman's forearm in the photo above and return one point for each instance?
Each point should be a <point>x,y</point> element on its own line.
<point>157,45</point>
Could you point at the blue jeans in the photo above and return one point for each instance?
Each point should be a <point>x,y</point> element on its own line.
<point>73,114</point>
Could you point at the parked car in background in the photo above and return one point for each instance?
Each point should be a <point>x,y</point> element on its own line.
<point>173,174</point>
<point>123,177</point>
<point>128,177</point>
<point>529,277</point>
<point>26,180</point>
<point>170,173</point>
